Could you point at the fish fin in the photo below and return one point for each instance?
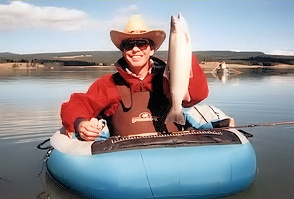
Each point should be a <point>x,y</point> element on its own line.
<point>177,117</point>
<point>187,37</point>
<point>191,73</point>
<point>187,97</point>
<point>166,72</point>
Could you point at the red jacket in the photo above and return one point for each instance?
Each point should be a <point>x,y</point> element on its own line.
<point>103,95</point>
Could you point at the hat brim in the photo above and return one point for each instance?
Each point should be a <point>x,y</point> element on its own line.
<point>157,36</point>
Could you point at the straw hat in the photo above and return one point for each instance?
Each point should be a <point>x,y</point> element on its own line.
<point>136,28</point>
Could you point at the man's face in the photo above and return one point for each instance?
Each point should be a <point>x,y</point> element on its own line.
<point>137,53</point>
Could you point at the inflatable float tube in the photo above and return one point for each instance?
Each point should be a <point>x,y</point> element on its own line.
<point>193,164</point>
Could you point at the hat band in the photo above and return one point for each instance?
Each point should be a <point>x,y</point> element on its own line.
<point>137,31</point>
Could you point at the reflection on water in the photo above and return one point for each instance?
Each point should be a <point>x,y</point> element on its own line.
<point>29,113</point>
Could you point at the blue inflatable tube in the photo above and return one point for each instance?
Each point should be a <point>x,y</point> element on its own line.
<point>201,164</point>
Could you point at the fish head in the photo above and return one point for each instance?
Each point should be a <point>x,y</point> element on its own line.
<point>178,23</point>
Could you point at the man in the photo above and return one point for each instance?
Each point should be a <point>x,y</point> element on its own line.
<point>135,99</point>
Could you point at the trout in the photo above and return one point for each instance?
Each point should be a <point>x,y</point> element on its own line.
<point>179,67</point>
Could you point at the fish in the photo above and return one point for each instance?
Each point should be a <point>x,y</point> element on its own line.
<point>179,67</point>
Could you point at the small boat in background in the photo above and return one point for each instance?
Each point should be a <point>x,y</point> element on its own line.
<point>222,72</point>
<point>222,69</point>
<point>189,164</point>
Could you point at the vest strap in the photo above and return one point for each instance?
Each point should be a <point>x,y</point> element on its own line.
<point>124,91</point>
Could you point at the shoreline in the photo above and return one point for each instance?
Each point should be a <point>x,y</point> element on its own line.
<point>207,66</point>
<point>212,65</point>
<point>21,66</point>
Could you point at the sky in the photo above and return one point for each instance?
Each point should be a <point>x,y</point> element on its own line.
<point>44,26</point>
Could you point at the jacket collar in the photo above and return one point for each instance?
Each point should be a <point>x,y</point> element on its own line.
<point>133,81</point>
<point>157,65</point>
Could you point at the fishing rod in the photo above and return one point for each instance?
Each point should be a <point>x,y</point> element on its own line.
<point>264,124</point>
<point>257,125</point>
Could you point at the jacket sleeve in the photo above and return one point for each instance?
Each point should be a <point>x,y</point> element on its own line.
<point>198,88</point>
<point>89,104</point>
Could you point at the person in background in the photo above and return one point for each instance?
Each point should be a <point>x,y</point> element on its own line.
<point>134,100</point>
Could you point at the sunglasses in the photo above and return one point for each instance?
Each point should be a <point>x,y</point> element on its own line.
<point>130,44</point>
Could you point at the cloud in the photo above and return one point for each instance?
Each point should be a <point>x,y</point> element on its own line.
<point>122,15</point>
<point>119,19</point>
<point>131,8</point>
<point>19,15</point>
<point>282,52</point>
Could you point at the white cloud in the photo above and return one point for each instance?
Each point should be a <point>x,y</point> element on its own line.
<point>121,16</point>
<point>129,9</point>
<point>18,14</point>
<point>282,52</point>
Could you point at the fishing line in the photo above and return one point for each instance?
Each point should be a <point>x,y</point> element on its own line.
<point>44,159</point>
<point>25,179</point>
<point>6,180</point>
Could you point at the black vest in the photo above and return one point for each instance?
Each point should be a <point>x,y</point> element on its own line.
<point>140,112</point>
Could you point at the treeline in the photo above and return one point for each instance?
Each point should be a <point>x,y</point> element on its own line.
<point>260,61</point>
<point>269,61</point>
<point>83,58</point>
<point>55,62</point>
<point>70,63</point>
<point>244,58</point>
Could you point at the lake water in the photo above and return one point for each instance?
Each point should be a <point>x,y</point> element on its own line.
<point>29,113</point>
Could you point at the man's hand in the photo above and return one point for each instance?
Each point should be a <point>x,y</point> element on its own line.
<point>89,130</point>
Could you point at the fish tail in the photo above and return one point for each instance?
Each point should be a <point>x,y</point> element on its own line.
<point>175,116</point>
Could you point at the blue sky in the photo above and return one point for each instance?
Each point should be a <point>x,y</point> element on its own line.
<point>39,26</point>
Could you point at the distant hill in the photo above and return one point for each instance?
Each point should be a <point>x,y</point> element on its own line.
<point>245,58</point>
<point>7,54</point>
<point>110,57</point>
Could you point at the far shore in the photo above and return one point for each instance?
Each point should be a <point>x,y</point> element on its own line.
<point>212,65</point>
<point>207,66</point>
<point>19,65</point>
